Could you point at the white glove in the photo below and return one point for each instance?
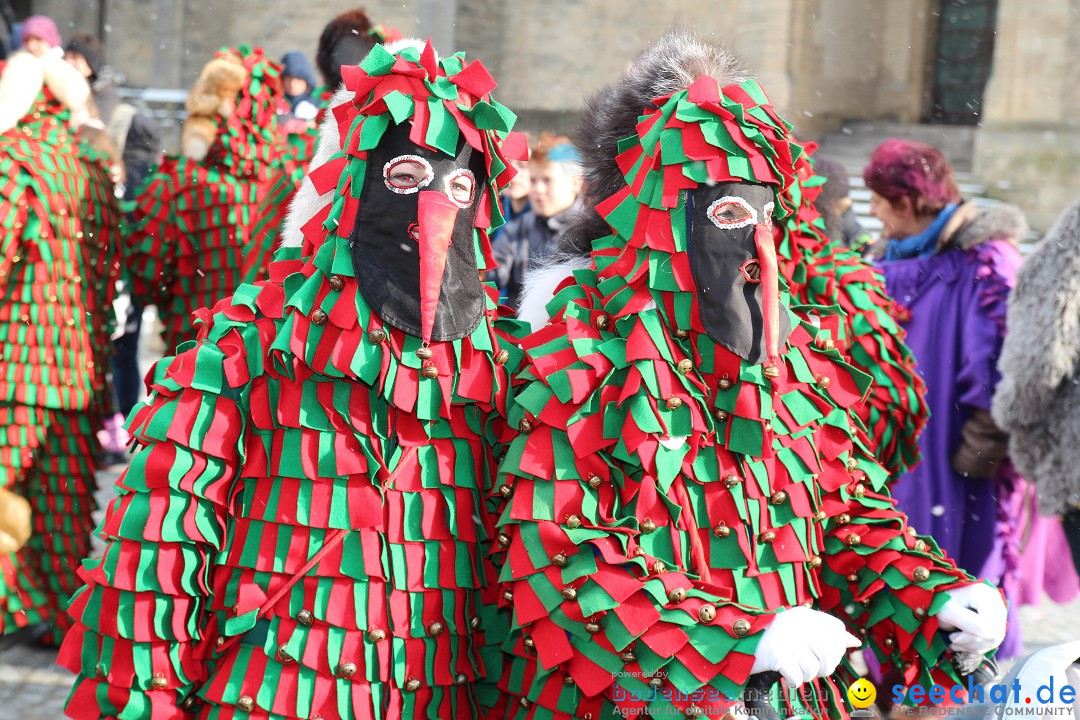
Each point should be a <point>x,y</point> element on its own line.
<point>978,613</point>
<point>802,644</point>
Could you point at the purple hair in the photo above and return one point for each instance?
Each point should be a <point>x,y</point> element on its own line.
<point>906,168</point>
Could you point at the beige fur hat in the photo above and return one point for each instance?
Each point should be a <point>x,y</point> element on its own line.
<point>211,100</point>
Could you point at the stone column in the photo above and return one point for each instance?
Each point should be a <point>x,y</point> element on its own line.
<point>1027,149</point>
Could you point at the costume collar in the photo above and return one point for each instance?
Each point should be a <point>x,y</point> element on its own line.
<point>923,244</point>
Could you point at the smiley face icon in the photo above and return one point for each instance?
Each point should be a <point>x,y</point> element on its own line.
<point>862,693</point>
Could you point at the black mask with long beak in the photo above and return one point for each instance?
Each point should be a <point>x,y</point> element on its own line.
<point>733,262</point>
<point>412,243</point>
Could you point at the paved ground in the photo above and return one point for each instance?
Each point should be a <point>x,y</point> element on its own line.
<point>32,687</point>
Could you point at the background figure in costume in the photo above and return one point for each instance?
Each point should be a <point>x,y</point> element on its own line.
<point>950,267</point>
<point>692,499</point>
<point>1036,400</point>
<point>311,480</point>
<point>58,229</point>
<point>207,219</point>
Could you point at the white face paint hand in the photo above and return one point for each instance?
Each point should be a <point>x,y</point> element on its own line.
<point>979,615</point>
<point>802,644</point>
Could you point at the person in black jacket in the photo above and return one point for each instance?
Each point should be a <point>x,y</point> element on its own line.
<point>533,237</point>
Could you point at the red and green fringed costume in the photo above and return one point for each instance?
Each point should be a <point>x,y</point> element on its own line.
<point>201,227</point>
<point>860,316</point>
<point>58,229</point>
<point>665,498</point>
<point>303,531</point>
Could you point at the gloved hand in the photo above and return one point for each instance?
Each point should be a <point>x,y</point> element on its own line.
<point>802,644</point>
<point>979,615</point>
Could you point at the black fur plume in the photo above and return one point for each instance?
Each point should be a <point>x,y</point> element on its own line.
<point>670,64</point>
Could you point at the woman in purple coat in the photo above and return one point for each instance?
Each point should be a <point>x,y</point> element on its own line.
<point>950,266</point>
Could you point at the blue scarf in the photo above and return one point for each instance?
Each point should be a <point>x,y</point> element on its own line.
<point>922,244</point>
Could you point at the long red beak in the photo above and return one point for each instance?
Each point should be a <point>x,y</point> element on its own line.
<point>770,292</point>
<point>436,217</point>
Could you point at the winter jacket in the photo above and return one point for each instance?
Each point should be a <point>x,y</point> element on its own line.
<point>1038,399</point>
<point>524,243</point>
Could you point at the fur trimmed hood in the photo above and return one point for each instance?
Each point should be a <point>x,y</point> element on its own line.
<point>972,225</point>
<point>540,286</point>
<point>1038,398</point>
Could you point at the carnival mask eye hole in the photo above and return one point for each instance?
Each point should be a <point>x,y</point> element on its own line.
<point>414,231</point>
<point>731,212</point>
<point>751,270</point>
<point>406,174</point>
<point>461,188</point>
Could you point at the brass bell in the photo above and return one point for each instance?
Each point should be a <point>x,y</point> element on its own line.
<point>502,357</point>
<point>860,491</point>
<point>376,635</point>
<point>843,519</point>
<point>920,546</point>
<point>722,530</point>
<point>741,627</point>
<point>853,578</point>
<point>826,343</point>
<point>346,670</point>
<point>592,628</point>
<point>245,703</point>
<point>920,613</point>
<point>673,403</point>
<point>725,383</point>
<point>508,595</point>
<point>412,685</point>
<point>158,682</point>
<point>682,334</point>
<point>768,537</point>
<point>376,336</point>
<point>820,516</point>
<point>283,654</point>
<point>567,680</point>
<point>911,531</point>
<point>319,316</point>
<point>525,425</point>
<point>219,642</point>
<point>573,522</point>
<point>529,643</point>
<point>595,481</point>
<point>920,574</point>
<point>693,711</point>
<point>506,491</point>
<point>524,702</point>
<point>304,617</point>
<point>337,282</point>
<point>685,367</point>
<point>852,464</point>
<point>424,352</point>
<point>188,702</point>
<point>569,593</point>
<point>474,623</point>
<point>779,497</point>
<point>732,480</point>
<point>647,526</point>
<point>100,672</point>
<point>602,322</point>
<point>503,539</point>
<point>720,415</point>
<point>436,629</point>
<point>628,656</point>
<point>656,681</point>
<point>771,371</point>
<point>822,381</point>
<point>853,540</point>
<point>461,679</point>
<point>677,595</point>
<point>888,642</point>
<point>559,560</point>
<point>706,613</point>
<point>659,567</point>
<point>815,562</point>
<point>429,371</point>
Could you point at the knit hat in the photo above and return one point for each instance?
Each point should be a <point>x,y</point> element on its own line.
<point>295,64</point>
<point>90,48</point>
<point>41,27</point>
